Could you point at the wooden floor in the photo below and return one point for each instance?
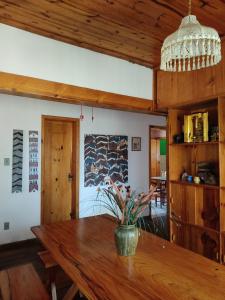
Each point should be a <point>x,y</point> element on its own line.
<point>26,252</point>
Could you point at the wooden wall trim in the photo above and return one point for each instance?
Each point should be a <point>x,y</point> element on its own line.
<point>13,84</point>
<point>176,89</point>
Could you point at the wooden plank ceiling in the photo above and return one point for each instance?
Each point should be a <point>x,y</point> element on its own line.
<point>129,29</point>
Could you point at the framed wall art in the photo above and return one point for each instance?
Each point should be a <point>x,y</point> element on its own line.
<point>105,157</point>
<point>17,161</point>
<point>136,144</point>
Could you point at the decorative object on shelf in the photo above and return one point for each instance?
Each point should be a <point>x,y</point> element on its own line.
<point>196,128</point>
<point>33,161</point>
<point>17,161</point>
<point>127,207</point>
<point>178,138</point>
<point>206,171</point>
<point>190,178</point>
<point>197,180</point>
<point>136,144</point>
<point>105,156</point>
<point>193,46</point>
<point>214,134</point>
<point>184,176</point>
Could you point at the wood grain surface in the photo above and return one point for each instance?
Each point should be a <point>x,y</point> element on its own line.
<point>128,29</point>
<point>191,87</point>
<point>160,270</point>
<point>21,283</point>
<point>13,84</point>
<point>58,148</point>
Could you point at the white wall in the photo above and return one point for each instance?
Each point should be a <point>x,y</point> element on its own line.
<point>32,55</point>
<point>23,210</point>
<point>28,54</point>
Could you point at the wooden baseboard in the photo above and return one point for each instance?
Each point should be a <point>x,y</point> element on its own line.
<point>19,244</point>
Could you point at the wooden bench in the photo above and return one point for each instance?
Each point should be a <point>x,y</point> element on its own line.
<point>50,265</point>
<point>21,283</point>
<point>47,259</point>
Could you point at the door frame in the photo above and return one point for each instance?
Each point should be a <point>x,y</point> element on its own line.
<point>150,137</point>
<point>75,162</point>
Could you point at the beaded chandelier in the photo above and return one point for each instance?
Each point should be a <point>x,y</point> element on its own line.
<point>193,46</point>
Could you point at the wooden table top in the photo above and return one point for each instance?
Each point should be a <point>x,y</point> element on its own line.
<point>160,270</point>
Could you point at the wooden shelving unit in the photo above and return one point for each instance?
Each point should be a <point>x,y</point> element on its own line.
<point>209,186</point>
<point>197,211</point>
<point>195,144</point>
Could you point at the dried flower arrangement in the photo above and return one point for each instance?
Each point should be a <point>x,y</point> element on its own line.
<point>125,205</point>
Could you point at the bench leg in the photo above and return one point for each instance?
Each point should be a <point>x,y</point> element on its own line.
<point>71,292</point>
<point>81,295</point>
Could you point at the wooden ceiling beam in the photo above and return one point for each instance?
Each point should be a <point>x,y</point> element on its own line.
<point>19,85</point>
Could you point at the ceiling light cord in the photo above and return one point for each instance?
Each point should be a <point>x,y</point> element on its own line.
<point>189,7</point>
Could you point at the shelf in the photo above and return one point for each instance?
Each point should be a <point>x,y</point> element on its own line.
<point>208,186</point>
<point>195,144</point>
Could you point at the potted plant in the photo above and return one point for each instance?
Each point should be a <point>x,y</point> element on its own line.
<point>127,207</point>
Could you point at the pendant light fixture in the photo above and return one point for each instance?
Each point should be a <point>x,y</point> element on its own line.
<point>193,46</point>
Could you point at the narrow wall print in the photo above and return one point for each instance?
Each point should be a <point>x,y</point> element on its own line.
<point>17,161</point>
<point>33,161</point>
<point>106,156</point>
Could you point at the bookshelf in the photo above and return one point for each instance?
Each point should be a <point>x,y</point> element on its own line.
<point>197,211</point>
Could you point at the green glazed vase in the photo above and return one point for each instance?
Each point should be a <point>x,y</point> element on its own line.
<point>126,238</point>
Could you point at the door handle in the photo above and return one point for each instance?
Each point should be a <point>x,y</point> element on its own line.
<point>70,177</point>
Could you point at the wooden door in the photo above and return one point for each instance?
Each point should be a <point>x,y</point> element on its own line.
<point>155,157</point>
<point>58,169</point>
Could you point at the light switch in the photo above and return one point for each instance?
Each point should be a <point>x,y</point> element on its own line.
<point>6,225</point>
<point>6,161</point>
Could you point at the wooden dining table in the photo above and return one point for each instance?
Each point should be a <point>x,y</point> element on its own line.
<point>85,250</point>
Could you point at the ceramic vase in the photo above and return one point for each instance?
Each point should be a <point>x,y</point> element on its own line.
<point>126,238</point>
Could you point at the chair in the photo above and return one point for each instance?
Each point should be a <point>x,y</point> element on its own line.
<point>161,193</point>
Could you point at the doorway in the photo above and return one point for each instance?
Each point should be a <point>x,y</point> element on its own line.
<point>60,169</point>
<point>158,168</point>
